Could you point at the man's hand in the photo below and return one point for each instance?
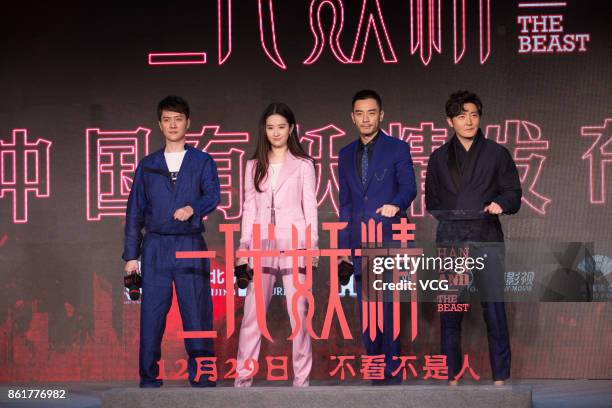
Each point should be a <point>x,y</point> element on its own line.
<point>183,214</point>
<point>315,261</point>
<point>494,209</point>
<point>131,267</point>
<point>345,259</point>
<point>388,210</point>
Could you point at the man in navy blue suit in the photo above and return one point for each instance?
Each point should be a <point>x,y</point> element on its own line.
<point>376,182</point>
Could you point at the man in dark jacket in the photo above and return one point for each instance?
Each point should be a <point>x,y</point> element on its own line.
<point>172,190</point>
<point>470,182</point>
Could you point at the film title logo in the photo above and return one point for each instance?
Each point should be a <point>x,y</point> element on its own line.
<point>544,33</point>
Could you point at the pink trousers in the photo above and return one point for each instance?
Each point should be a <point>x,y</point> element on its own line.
<point>250,335</point>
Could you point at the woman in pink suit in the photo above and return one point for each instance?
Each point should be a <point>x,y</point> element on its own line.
<point>280,189</point>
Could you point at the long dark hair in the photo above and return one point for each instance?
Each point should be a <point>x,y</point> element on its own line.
<point>264,146</point>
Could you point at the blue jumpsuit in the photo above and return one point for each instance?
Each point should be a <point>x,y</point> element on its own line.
<point>153,200</point>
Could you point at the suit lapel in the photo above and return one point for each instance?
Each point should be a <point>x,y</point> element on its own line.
<point>473,160</point>
<point>377,155</point>
<point>290,166</point>
<point>353,167</point>
<point>460,181</point>
<point>452,164</point>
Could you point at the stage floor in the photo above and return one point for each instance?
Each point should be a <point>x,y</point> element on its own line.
<point>545,393</point>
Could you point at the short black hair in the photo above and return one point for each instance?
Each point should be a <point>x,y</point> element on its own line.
<point>454,105</point>
<point>367,94</point>
<point>173,104</point>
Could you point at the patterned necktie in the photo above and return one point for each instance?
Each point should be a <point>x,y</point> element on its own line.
<point>364,165</point>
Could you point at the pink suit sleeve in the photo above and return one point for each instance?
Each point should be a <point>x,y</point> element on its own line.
<point>309,201</point>
<point>249,208</point>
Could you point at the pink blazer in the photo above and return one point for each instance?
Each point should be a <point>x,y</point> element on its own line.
<point>295,203</point>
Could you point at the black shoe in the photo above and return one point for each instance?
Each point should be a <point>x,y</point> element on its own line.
<point>151,384</point>
<point>203,384</point>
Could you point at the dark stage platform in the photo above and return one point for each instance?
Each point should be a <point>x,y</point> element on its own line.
<point>414,396</point>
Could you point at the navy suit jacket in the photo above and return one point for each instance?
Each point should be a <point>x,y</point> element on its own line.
<point>390,181</point>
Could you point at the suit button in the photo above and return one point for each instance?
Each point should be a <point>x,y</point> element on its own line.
<point>366,198</point>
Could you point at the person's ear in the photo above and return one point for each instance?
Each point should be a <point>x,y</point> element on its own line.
<point>449,121</point>
<point>382,115</point>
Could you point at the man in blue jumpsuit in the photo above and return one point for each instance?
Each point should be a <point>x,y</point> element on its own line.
<point>376,183</point>
<point>172,190</point>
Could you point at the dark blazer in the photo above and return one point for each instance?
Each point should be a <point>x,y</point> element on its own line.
<point>390,181</point>
<point>458,202</point>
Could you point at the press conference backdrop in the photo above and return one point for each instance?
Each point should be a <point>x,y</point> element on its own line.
<point>79,87</point>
